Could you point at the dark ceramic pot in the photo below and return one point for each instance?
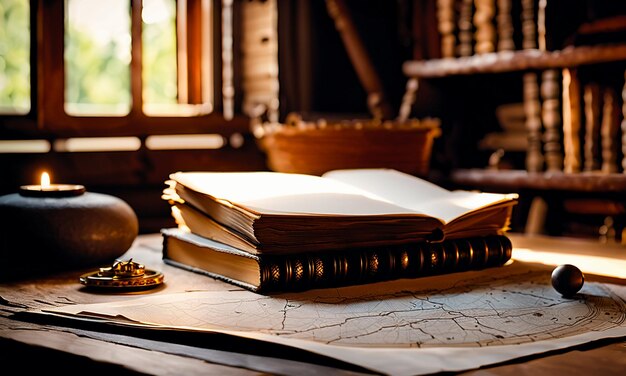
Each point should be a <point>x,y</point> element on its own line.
<point>39,234</point>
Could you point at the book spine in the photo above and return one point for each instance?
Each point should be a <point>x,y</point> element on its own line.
<point>319,270</point>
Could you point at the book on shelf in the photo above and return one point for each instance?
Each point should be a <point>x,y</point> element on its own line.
<point>282,213</point>
<point>267,273</point>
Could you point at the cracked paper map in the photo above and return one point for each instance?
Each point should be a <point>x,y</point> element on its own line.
<point>489,309</point>
<point>519,310</point>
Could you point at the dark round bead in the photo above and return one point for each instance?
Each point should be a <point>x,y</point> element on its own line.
<point>567,279</point>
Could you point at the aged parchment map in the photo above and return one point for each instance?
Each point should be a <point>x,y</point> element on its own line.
<point>397,327</point>
<point>490,312</point>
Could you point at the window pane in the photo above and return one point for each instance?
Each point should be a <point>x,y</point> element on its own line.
<point>97,57</point>
<point>14,57</point>
<point>159,52</point>
<point>177,57</point>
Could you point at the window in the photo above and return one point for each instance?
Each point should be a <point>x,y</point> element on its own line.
<point>119,68</point>
<point>97,57</point>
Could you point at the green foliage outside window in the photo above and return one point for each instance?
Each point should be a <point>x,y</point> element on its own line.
<point>94,74</point>
<point>97,57</point>
<point>97,72</point>
<point>14,56</point>
<point>159,55</point>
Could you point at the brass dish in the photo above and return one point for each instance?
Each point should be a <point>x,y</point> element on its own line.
<point>124,275</point>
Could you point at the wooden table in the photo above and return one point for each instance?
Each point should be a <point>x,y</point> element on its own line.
<point>38,346</point>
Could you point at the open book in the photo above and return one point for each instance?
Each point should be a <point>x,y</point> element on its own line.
<point>271,212</point>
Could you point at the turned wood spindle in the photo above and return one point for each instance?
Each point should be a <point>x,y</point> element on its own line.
<point>483,21</point>
<point>529,26</point>
<point>505,26</point>
<point>541,24</point>
<point>571,121</point>
<point>550,92</point>
<point>608,131</point>
<point>466,8</point>
<point>532,104</point>
<point>532,110</point>
<point>446,27</point>
<point>551,116</point>
<point>592,127</point>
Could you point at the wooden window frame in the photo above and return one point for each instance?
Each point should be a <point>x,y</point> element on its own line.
<point>48,116</point>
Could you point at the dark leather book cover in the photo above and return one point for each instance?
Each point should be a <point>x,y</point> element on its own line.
<point>298,272</point>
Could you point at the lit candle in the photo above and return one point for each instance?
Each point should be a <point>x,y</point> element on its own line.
<point>61,226</point>
<point>45,189</point>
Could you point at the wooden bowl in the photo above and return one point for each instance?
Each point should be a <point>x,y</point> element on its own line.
<point>315,148</point>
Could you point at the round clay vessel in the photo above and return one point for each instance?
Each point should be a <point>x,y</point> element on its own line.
<point>44,234</point>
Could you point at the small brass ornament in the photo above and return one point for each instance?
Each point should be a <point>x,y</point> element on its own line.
<point>124,275</point>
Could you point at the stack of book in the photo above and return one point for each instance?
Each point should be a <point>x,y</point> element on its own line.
<point>272,232</point>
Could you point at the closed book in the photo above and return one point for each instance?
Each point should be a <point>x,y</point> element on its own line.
<point>267,273</point>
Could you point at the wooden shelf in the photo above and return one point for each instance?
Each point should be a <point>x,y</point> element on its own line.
<point>514,180</point>
<point>512,61</point>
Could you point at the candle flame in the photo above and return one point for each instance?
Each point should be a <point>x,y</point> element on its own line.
<point>45,180</point>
